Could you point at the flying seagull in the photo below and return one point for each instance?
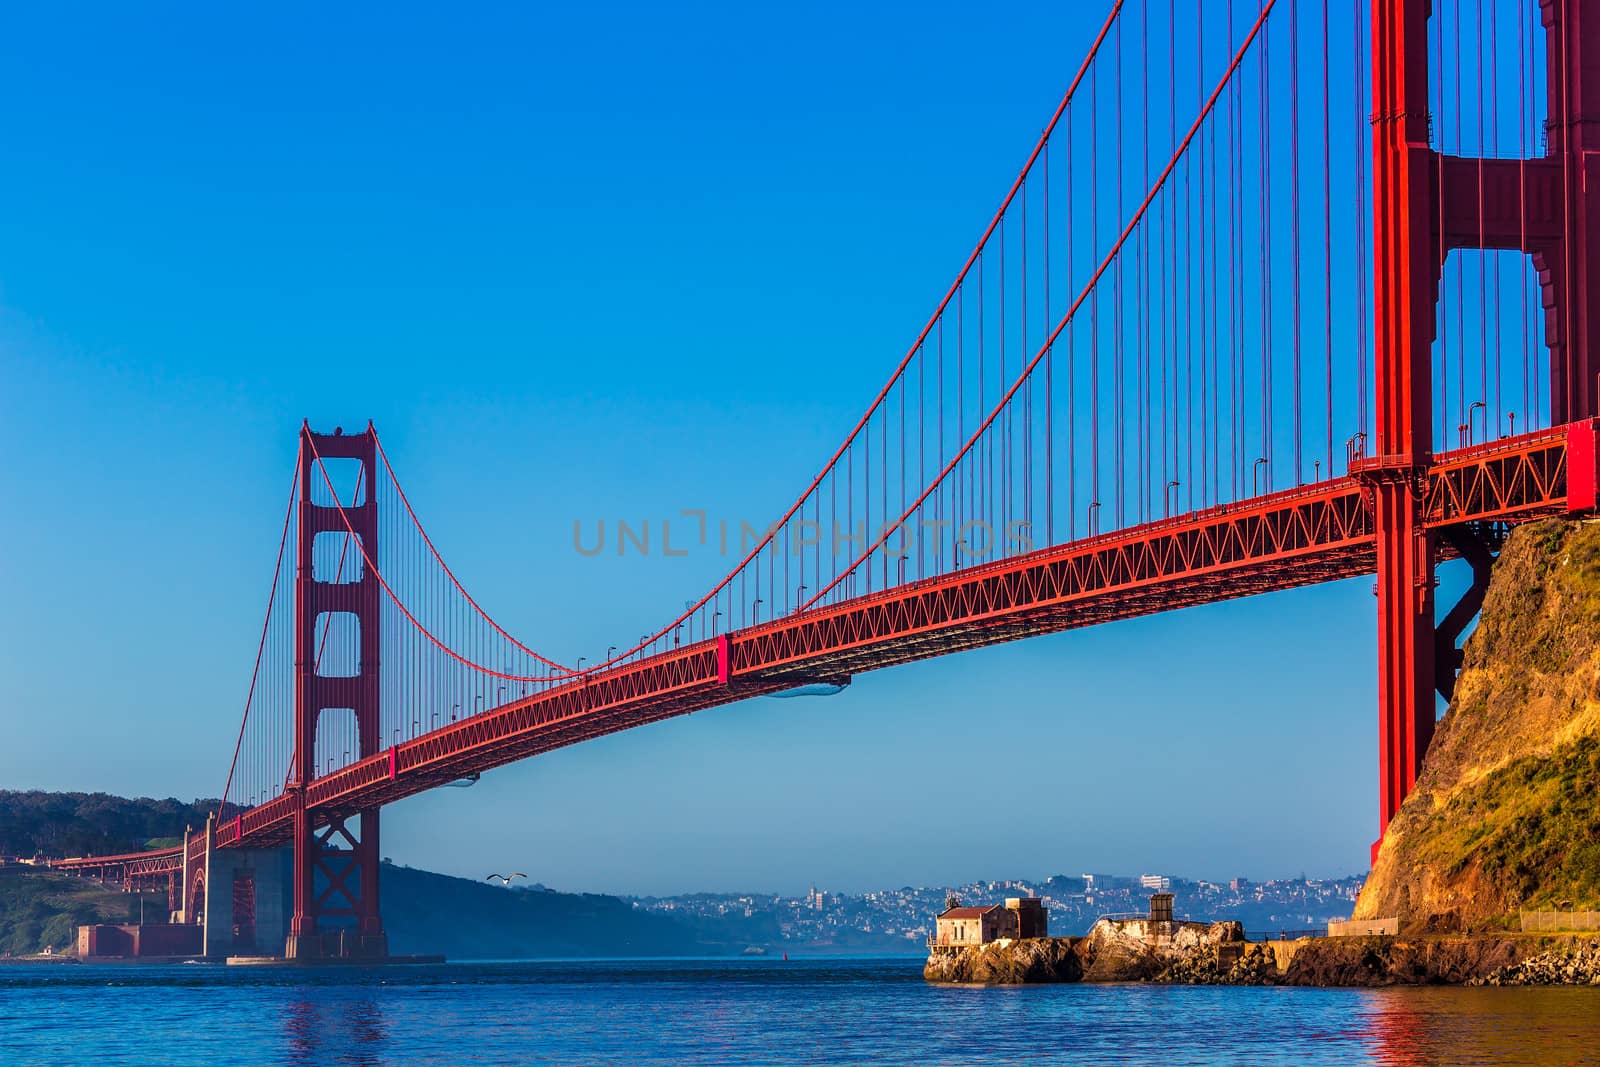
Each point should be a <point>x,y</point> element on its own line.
<point>505,879</point>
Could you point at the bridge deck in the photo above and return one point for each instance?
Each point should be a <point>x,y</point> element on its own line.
<point>1316,533</point>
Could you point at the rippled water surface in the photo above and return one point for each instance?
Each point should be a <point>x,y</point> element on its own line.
<point>763,1011</point>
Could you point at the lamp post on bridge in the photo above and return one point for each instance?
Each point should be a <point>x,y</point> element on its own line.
<point>1472,414</point>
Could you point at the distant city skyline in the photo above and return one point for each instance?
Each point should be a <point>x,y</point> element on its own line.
<point>555,256</point>
<point>902,915</point>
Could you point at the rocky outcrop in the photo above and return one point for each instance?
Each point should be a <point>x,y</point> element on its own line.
<point>1135,950</point>
<point>1250,964</point>
<point>1570,964</point>
<point>1387,961</point>
<point>1471,960</point>
<point>1115,951</point>
<point>1008,962</point>
<point>1506,811</point>
<point>1217,955</point>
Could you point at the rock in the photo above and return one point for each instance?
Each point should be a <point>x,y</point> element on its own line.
<point>1007,962</point>
<point>1133,950</point>
<point>1472,960</point>
<point>1206,966</point>
<point>1217,955</point>
<point>1572,961</point>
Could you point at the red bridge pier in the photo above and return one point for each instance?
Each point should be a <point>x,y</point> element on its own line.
<point>335,912</point>
<point>1427,204</point>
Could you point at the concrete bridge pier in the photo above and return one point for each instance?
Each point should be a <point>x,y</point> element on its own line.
<point>249,892</point>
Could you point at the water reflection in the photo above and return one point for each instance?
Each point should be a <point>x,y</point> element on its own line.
<point>342,1030</point>
<point>1454,1026</point>
<point>712,1013</point>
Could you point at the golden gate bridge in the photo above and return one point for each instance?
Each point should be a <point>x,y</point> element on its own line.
<point>1220,337</point>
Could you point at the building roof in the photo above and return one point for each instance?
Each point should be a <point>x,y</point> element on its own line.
<point>970,912</point>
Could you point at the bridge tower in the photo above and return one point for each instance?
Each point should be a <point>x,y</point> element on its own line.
<point>1428,204</point>
<point>335,912</point>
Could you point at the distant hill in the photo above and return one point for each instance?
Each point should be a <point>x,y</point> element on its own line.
<point>1506,812</point>
<point>423,912</point>
<point>427,912</point>
<point>81,824</point>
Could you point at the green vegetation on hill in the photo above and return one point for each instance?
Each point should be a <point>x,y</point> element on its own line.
<point>42,909</point>
<point>1531,827</point>
<point>1506,812</point>
<point>81,824</point>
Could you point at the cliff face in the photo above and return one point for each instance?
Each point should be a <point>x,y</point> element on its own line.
<point>1506,812</point>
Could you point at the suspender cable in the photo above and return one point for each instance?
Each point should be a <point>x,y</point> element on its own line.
<point>1461,311</point>
<point>261,644</point>
<point>1528,340</point>
<point>1327,249</point>
<point>1049,371</point>
<point>1179,409</point>
<point>1294,228</point>
<point>1094,306</point>
<point>1489,427</point>
<point>1266,263</point>
<point>1072,348</point>
<point>1143,261</point>
<point>1099,272</point>
<point>1441,316</point>
<point>1361,232</point>
<point>1233,280</point>
<point>1119,314</point>
<point>1483,260</point>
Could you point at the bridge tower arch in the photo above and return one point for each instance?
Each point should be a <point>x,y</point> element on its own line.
<point>195,897</point>
<point>1426,205</point>
<point>336,858</point>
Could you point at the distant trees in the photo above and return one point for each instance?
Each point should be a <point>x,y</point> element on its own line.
<point>79,824</point>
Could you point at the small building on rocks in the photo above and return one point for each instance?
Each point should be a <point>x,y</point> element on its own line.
<point>979,925</point>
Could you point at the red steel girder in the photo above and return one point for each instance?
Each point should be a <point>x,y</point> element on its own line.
<point>1317,533</point>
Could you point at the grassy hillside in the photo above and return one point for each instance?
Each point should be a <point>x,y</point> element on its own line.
<point>1506,812</point>
<point>41,909</point>
<point>1531,827</point>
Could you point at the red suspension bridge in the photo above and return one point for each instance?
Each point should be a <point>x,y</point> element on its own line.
<point>1286,292</point>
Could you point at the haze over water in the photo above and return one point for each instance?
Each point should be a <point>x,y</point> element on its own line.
<point>765,1011</point>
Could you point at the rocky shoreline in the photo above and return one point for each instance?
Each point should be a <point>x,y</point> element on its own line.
<point>1501,824</point>
<point>1220,956</point>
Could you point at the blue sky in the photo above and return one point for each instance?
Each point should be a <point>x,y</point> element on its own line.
<point>579,263</point>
